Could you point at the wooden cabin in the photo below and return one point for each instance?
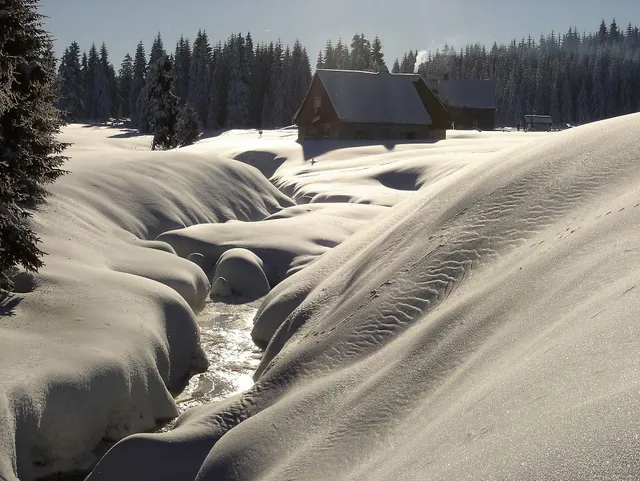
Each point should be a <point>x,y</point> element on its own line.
<point>471,103</point>
<point>352,105</point>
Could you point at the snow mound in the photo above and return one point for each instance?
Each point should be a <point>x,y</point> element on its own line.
<point>94,346</point>
<point>242,272</point>
<point>485,328</point>
<point>286,241</point>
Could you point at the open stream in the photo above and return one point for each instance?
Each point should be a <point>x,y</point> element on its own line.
<point>225,336</point>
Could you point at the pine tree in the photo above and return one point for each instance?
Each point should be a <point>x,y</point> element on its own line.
<point>137,85</point>
<point>239,93</point>
<point>188,128</point>
<point>125,85</point>
<point>396,67</point>
<point>30,154</point>
<point>273,109</point>
<point>329,56</point>
<point>219,86</point>
<point>163,104</point>
<point>182,66</point>
<point>90,73</point>
<point>377,57</point>
<point>200,76</point>
<point>105,87</point>
<point>320,61</point>
<point>157,50</point>
<point>71,87</point>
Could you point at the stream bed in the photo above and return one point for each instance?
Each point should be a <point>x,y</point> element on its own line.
<point>225,336</point>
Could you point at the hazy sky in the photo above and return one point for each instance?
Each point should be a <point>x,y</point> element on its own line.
<point>401,24</point>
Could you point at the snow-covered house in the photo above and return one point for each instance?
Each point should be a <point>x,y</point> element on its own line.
<point>471,103</point>
<point>349,105</point>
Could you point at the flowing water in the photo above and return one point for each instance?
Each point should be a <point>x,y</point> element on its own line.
<point>225,337</point>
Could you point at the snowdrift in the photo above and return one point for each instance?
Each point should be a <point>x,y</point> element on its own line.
<point>285,242</point>
<point>93,346</point>
<point>484,328</point>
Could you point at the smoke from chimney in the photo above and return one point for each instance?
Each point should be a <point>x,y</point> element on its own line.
<point>420,59</point>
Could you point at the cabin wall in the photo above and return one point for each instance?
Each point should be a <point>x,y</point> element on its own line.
<point>354,131</point>
<point>466,118</point>
<point>307,113</point>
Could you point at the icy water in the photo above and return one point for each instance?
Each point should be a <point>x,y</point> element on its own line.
<point>225,337</point>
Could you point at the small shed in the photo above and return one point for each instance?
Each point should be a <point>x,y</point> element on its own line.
<point>538,123</point>
<point>351,105</point>
<point>471,103</point>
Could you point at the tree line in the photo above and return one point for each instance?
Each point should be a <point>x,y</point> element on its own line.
<point>575,78</point>
<point>227,85</point>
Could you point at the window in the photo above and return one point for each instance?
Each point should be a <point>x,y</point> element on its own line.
<point>317,102</point>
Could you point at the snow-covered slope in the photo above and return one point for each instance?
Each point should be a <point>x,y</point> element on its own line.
<point>93,347</point>
<point>484,328</point>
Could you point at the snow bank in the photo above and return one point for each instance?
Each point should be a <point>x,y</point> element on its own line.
<point>95,345</point>
<point>485,328</point>
<point>242,273</point>
<point>286,242</point>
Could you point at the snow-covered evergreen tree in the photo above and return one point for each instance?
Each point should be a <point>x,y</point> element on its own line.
<point>109,74</point>
<point>218,86</point>
<point>188,128</point>
<point>162,104</point>
<point>30,154</point>
<point>200,76</point>
<point>90,73</point>
<point>273,107</point>
<point>137,85</point>
<point>157,50</point>
<point>329,56</point>
<point>71,85</point>
<point>125,84</point>
<point>377,57</point>
<point>396,67</point>
<point>182,66</point>
<point>239,92</point>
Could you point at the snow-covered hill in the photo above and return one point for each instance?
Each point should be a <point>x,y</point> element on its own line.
<point>480,324</point>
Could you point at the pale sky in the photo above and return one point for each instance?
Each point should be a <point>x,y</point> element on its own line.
<point>401,24</point>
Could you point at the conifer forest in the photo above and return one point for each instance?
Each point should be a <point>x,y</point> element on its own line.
<point>574,77</point>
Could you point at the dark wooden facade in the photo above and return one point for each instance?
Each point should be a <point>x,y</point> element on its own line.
<point>318,119</point>
<point>470,118</point>
<point>471,103</point>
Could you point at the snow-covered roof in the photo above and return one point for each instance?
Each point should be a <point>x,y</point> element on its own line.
<point>475,94</point>
<point>367,97</point>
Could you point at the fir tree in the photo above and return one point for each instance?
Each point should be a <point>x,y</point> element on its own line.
<point>71,87</point>
<point>104,87</point>
<point>273,108</point>
<point>162,104</point>
<point>182,66</point>
<point>137,85</point>
<point>188,126</point>
<point>157,50</point>
<point>125,85</point>
<point>90,73</point>
<point>30,154</point>
<point>200,76</point>
<point>377,57</point>
<point>239,93</point>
